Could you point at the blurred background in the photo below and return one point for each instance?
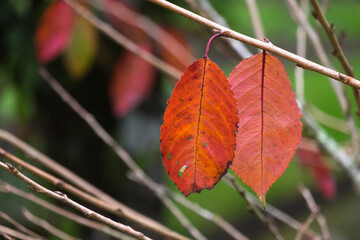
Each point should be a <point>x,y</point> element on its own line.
<point>128,97</point>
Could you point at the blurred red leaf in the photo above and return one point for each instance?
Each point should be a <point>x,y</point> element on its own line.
<point>269,121</point>
<point>81,52</point>
<point>131,82</point>
<point>310,157</point>
<point>182,58</point>
<point>120,8</point>
<point>198,134</point>
<point>53,31</point>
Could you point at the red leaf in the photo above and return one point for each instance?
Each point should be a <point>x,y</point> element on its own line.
<point>310,157</point>
<point>183,57</point>
<point>131,82</point>
<point>198,134</point>
<point>53,31</point>
<point>269,121</point>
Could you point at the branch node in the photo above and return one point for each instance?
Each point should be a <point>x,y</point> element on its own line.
<point>12,168</point>
<point>61,194</point>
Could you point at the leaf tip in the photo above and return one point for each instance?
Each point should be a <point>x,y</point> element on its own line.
<point>262,200</point>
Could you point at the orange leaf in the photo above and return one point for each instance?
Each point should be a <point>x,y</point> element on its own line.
<point>198,134</point>
<point>53,31</point>
<point>131,82</point>
<point>269,121</point>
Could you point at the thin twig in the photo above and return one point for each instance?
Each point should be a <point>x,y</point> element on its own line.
<point>19,226</point>
<point>123,41</point>
<point>302,62</point>
<point>7,188</point>
<point>339,90</point>
<point>46,226</point>
<point>338,51</point>
<point>327,119</point>
<point>106,203</point>
<point>63,198</point>
<point>205,8</point>
<point>205,213</point>
<point>332,148</point>
<point>9,233</point>
<point>253,209</point>
<point>105,136</point>
<point>255,19</point>
<point>315,209</point>
<point>301,51</point>
<point>162,37</point>
<point>276,213</point>
<point>306,225</point>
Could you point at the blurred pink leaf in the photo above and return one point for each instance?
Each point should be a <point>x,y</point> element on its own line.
<point>53,31</point>
<point>132,81</point>
<point>311,158</point>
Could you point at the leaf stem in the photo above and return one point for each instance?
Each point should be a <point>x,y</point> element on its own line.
<point>209,43</point>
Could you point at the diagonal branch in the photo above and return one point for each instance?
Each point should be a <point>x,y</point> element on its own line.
<point>6,188</point>
<point>106,203</point>
<point>64,199</point>
<point>338,51</point>
<point>123,41</point>
<point>19,226</point>
<point>301,62</point>
<point>120,152</point>
<point>47,226</point>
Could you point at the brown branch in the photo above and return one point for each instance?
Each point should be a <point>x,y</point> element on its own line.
<point>106,203</point>
<point>162,37</point>
<point>46,226</point>
<point>120,152</point>
<point>315,210</point>
<point>339,90</point>
<point>205,213</point>
<point>9,233</point>
<point>276,213</point>
<point>302,62</point>
<point>19,226</point>
<point>123,41</point>
<point>338,51</point>
<point>253,209</point>
<point>64,199</point>
<point>6,188</point>
<point>306,225</point>
<point>205,9</point>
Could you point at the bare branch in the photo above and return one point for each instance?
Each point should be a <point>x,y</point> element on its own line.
<point>47,226</point>
<point>306,225</point>
<point>106,203</point>
<point>103,135</point>
<point>339,90</point>
<point>162,37</point>
<point>123,41</point>
<point>316,211</point>
<point>63,198</point>
<point>338,51</point>
<point>6,188</point>
<point>302,62</point>
<point>301,51</point>
<point>9,233</point>
<point>205,8</point>
<point>19,226</point>
<point>253,209</point>
<point>255,19</point>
